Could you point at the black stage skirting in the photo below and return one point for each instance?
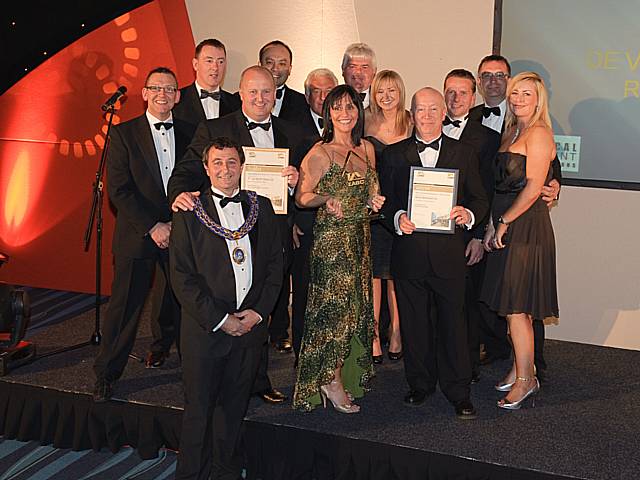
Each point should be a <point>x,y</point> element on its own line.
<point>585,424</point>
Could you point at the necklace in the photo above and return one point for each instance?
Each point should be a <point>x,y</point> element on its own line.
<point>238,255</point>
<point>515,136</point>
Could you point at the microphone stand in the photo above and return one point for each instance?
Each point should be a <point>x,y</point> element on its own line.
<point>94,215</point>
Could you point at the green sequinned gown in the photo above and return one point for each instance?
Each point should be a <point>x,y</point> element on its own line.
<point>338,327</point>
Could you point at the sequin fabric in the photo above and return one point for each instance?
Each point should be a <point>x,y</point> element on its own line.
<point>339,316</point>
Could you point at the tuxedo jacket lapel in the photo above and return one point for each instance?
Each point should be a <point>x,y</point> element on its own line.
<point>148,149</point>
<point>196,104</point>
<point>243,135</point>
<point>413,158</point>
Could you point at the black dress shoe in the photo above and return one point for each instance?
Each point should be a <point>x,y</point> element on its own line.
<point>465,410</point>
<point>271,395</point>
<point>416,397</point>
<point>282,346</point>
<point>377,359</point>
<point>395,356</point>
<point>102,390</point>
<point>155,359</point>
<point>475,378</point>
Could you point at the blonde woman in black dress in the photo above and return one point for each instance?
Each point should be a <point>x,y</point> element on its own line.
<point>520,280</point>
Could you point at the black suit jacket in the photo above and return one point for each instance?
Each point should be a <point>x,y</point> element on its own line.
<point>304,218</point>
<point>189,174</point>
<point>486,142</point>
<point>190,109</point>
<point>204,283</point>
<point>134,184</point>
<point>413,256</point>
<point>294,105</point>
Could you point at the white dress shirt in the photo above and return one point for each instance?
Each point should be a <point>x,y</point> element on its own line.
<point>493,122</point>
<point>164,141</point>
<point>367,98</point>
<point>232,217</point>
<point>211,106</point>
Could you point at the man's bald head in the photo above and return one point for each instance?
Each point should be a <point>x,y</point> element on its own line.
<point>257,92</point>
<point>428,111</point>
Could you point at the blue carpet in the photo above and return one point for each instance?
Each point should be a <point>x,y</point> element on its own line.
<point>29,460</point>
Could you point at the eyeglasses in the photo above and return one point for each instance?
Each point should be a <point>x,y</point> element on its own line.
<point>488,76</point>
<point>158,89</point>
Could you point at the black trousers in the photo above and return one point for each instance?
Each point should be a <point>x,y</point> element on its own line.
<point>435,349</point>
<point>217,392</point>
<point>131,284</point>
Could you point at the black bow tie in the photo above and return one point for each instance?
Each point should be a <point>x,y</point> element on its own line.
<point>215,95</point>
<point>488,111</point>
<point>448,121</point>
<point>265,126</point>
<point>239,197</point>
<point>363,95</point>
<point>279,93</point>
<point>422,146</point>
<point>321,122</point>
<point>166,125</point>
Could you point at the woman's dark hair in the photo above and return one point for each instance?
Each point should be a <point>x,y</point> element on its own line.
<point>333,99</point>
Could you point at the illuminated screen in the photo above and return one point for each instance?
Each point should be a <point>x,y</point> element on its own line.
<point>588,53</point>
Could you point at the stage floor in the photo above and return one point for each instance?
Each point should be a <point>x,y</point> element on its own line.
<point>585,424</point>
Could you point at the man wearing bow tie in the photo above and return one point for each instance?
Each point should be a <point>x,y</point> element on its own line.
<point>141,156</point>
<point>226,265</point>
<point>460,96</point>
<point>359,68</point>
<point>432,265</point>
<point>204,99</point>
<point>251,126</point>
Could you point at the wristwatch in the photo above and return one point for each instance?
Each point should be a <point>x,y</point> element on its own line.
<point>502,221</point>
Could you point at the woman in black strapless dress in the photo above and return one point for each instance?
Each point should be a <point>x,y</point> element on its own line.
<point>520,277</point>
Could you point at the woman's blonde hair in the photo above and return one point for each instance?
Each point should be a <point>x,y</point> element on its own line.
<point>403,119</point>
<point>542,107</point>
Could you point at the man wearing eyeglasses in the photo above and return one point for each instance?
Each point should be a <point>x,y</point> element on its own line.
<point>141,156</point>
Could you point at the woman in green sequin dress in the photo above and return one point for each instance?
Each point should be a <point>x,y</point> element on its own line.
<point>338,176</point>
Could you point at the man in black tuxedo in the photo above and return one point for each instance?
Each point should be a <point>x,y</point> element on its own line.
<point>251,126</point>
<point>359,68</point>
<point>226,265</point>
<point>493,74</point>
<point>141,156</point>
<point>277,57</point>
<point>317,86</point>
<point>460,96</point>
<point>204,99</point>
<point>428,265</point>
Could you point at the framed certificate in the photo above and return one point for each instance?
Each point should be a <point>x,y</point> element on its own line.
<point>262,173</point>
<point>433,192</point>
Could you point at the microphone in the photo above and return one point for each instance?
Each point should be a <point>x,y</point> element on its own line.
<point>114,98</point>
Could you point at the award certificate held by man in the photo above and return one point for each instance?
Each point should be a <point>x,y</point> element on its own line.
<point>432,195</point>
<point>262,173</point>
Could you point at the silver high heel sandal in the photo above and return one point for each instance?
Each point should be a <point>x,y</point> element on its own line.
<point>518,403</point>
<point>345,408</point>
